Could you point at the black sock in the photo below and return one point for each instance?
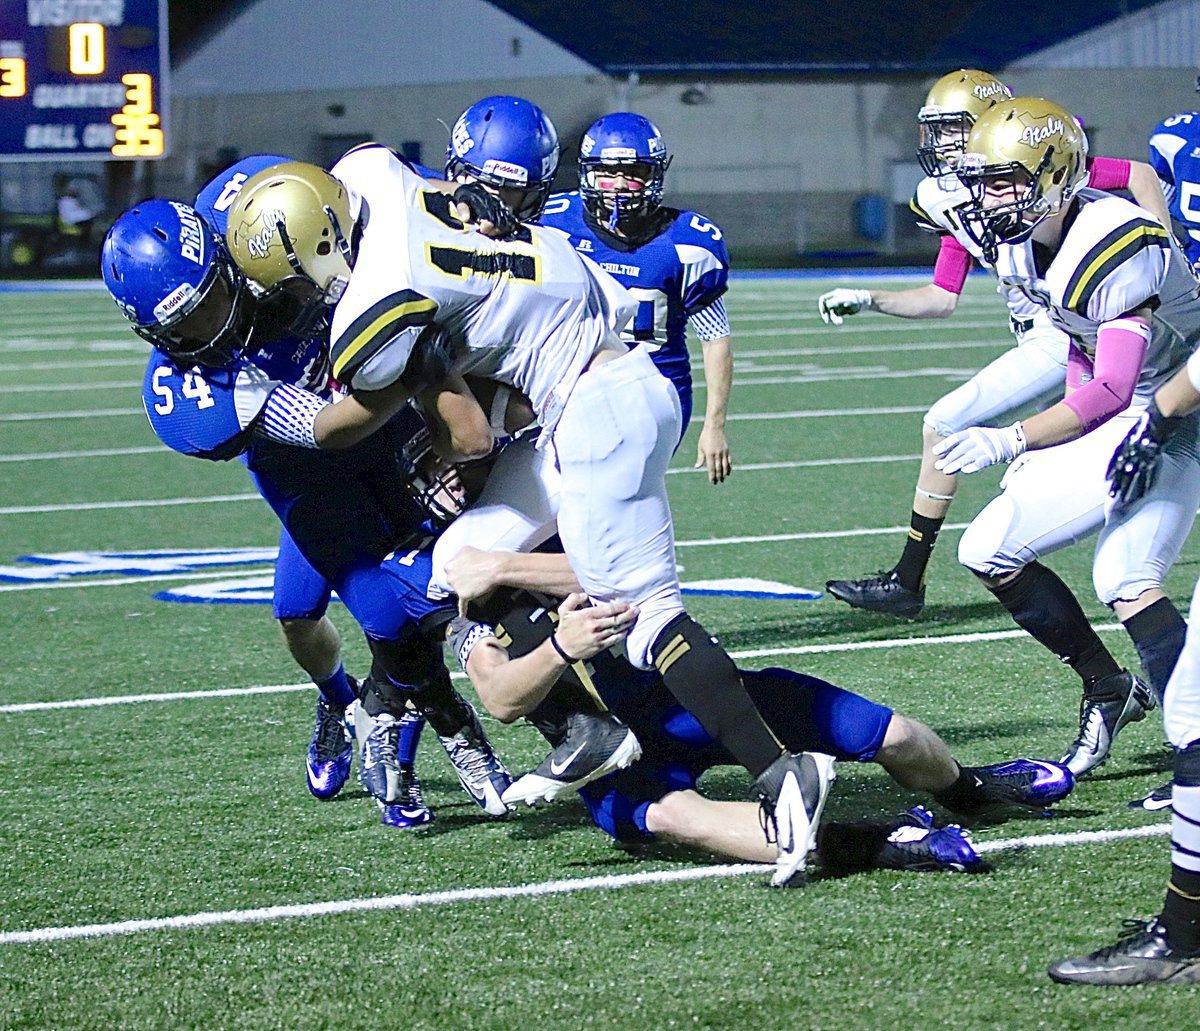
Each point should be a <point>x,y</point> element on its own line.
<point>963,795</point>
<point>1045,607</point>
<point>1158,633</point>
<point>704,680</point>
<point>918,548</point>
<point>1181,911</point>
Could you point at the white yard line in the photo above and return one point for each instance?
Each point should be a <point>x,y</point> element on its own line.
<point>107,452</point>
<point>67,388</point>
<point>755,653</point>
<point>92,506</point>
<point>115,452</point>
<point>409,901</point>
<point>95,413</point>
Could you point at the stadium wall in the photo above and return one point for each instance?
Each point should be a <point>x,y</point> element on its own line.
<point>783,166</point>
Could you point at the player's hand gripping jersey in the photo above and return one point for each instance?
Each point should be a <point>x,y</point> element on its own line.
<point>530,312</point>
<point>674,276</point>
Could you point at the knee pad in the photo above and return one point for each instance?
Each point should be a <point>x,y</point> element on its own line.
<point>982,547</point>
<point>948,414</point>
<point>1187,766</point>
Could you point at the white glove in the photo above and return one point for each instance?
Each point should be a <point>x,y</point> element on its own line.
<point>837,303</point>
<point>978,447</point>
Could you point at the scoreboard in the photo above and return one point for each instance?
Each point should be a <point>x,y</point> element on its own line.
<point>83,79</point>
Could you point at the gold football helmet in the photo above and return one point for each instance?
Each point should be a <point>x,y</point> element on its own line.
<point>290,229</point>
<point>951,107</point>
<point>1024,161</point>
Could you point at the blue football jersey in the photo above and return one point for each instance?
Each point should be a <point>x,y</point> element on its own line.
<point>682,270</point>
<point>1175,156</point>
<point>208,413</point>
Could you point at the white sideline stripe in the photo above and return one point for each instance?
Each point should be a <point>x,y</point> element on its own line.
<point>810,414</point>
<point>444,898</point>
<point>804,463</point>
<point>95,413</point>
<point>758,653</point>
<point>846,376</point>
<point>124,363</point>
<point>741,354</point>
<point>821,413</point>
<point>807,535</point>
<point>166,696</point>
<point>60,585</point>
<point>63,388</point>
<point>108,452</point>
<point>91,506</point>
<point>898,642</point>
<point>42,456</point>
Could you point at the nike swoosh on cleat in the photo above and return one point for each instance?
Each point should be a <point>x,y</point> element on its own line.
<point>557,769</point>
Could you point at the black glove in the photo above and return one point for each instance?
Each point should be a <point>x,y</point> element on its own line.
<point>486,207</point>
<point>1134,465</point>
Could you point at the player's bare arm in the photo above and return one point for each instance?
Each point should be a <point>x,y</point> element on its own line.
<point>474,573</point>
<point>457,422</point>
<point>511,688</point>
<point>356,417</point>
<point>712,449</point>
<point>1146,190</point>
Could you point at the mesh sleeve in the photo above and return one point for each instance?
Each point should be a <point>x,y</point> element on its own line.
<point>710,322</point>
<point>289,416</point>
<point>463,634</point>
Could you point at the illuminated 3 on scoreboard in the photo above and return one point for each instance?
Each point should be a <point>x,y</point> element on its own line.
<point>83,79</point>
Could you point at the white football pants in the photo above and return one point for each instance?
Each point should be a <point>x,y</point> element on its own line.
<point>516,511</point>
<point>1033,370</point>
<point>614,443</point>
<point>1181,706</point>
<point>1059,495</point>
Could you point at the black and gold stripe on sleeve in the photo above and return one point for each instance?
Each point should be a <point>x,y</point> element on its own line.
<point>924,220</point>
<point>1106,256</point>
<point>368,333</point>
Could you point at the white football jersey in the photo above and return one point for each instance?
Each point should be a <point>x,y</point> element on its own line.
<point>530,311</point>
<point>1114,258</point>
<point>937,203</point>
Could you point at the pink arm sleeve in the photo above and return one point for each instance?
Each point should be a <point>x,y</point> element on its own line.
<point>1079,368</point>
<point>953,264</point>
<point>1108,173</point>
<point>1120,350</point>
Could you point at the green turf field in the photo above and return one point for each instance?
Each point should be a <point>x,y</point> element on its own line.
<point>150,810</point>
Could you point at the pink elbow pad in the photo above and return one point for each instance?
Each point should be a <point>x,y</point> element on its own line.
<point>1108,173</point>
<point>953,264</point>
<point>1120,350</point>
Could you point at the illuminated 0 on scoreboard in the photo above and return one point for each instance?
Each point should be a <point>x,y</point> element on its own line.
<point>83,79</point>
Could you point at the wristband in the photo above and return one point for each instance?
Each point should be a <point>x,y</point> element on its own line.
<point>561,654</point>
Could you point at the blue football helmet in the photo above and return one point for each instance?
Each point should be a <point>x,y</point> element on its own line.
<point>623,140</point>
<point>507,143</point>
<point>172,277</point>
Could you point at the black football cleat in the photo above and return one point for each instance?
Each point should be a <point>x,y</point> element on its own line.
<point>792,793</point>
<point>1157,800</point>
<point>1106,707</point>
<point>880,593</point>
<point>1140,955</point>
<point>596,745</point>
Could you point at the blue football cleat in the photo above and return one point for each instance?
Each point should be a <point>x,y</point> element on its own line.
<point>411,810</point>
<point>480,770</point>
<point>329,752</point>
<point>1033,783</point>
<point>917,844</point>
